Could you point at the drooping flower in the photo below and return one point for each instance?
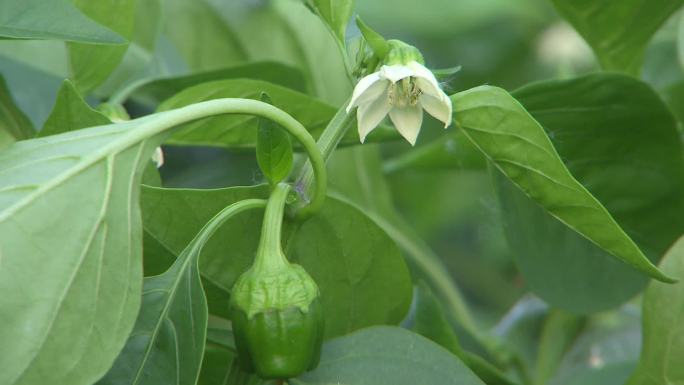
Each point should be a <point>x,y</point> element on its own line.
<point>402,91</point>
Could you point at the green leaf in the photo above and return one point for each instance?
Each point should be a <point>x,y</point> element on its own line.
<point>335,13</point>
<point>360,272</point>
<point>14,125</point>
<point>430,322</point>
<point>55,19</point>
<point>663,326</point>
<point>167,342</point>
<point>506,133</point>
<point>240,131</point>
<point>610,130</point>
<point>377,43</point>
<point>189,22</point>
<point>384,355</point>
<point>451,151</point>
<point>90,65</point>
<point>76,261</point>
<point>617,32</point>
<point>158,90</point>
<point>273,149</point>
<point>33,87</point>
<point>71,113</point>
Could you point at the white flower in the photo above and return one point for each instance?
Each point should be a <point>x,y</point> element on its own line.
<point>403,91</point>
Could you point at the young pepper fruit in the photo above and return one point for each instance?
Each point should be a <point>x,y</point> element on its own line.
<point>275,307</point>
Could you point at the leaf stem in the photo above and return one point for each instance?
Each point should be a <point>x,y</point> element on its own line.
<point>327,142</point>
<point>269,255</point>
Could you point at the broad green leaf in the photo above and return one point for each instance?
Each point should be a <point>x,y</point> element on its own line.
<point>158,90</point>
<point>355,174</point>
<point>385,355</point>
<point>14,125</point>
<point>240,131</point>
<point>90,65</point>
<point>610,130</point>
<point>356,177</point>
<point>71,113</point>
<point>204,40</point>
<point>360,272</point>
<point>450,151</point>
<point>663,327</point>
<point>54,19</point>
<point>167,342</point>
<point>430,322</point>
<point>76,261</point>
<point>273,149</point>
<point>507,134</point>
<point>335,13</point>
<point>618,32</point>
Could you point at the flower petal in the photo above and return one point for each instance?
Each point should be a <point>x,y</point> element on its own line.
<point>369,115</point>
<point>426,80</point>
<point>439,108</point>
<point>395,72</point>
<point>407,120</point>
<point>365,88</point>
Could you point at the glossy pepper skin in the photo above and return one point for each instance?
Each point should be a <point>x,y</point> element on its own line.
<point>275,308</point>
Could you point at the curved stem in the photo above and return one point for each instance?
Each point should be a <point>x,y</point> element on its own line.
<point>269,255</point>
<point>162,122</point>
<point>214,223</point>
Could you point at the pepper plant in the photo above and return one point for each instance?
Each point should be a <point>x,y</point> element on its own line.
<point>320,192</point>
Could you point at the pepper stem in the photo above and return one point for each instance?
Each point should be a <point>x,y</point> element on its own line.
<point>269,255</point>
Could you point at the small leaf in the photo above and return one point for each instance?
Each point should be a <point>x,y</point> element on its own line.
<point>273,149</point>
<point>617,32</point>
<point>384,355</point>
<point>377,43</point>
<point>167,342</point>
<point>54,19</point>
<point>506,133</point>
<point>14,125</point>
<point>335,13</point>
<point>71,113</point>
<point>663,326</point>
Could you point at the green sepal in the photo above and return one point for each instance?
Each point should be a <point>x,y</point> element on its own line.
<point>378,44</point>
<point>402,53</point>
<point>260,290</point>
